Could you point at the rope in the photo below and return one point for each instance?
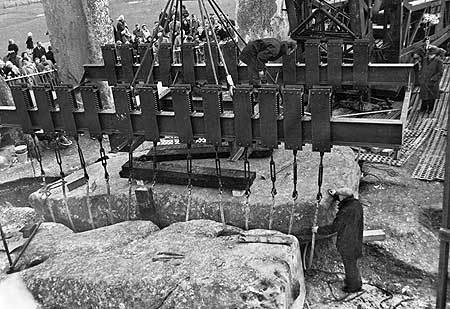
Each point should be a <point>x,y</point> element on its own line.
<point>222,58</point>
<point>150,48</point>
<point>224,25</point>
<point>208,41</point>
<point>229,22</point>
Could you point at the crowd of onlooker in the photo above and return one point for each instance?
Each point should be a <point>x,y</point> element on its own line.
<point>34,59</point>
<point>185,28</point>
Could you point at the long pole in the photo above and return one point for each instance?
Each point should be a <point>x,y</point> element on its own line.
<point>441,298</point>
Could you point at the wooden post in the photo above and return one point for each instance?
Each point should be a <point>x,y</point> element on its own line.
<point>444,247</point>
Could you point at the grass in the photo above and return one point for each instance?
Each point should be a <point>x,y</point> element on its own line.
<point>16,22</point>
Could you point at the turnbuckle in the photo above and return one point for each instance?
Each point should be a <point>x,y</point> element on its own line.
<point>189,174</point>
<point>273,192</point>
<point>103,159</point>
<point>247,189</point>
<point>219,181</point>
<point>294,192</point>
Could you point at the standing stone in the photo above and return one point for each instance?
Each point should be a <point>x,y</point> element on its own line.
<point>259,19</point>
<point>77,30</point>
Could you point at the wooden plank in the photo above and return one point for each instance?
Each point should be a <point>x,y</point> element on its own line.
<point>319,100</point>
<point>188,61</point>
<point>148,96</point>
<point>312,62</point>
<point>268,111</point>
<point>91,105</point>
<point>289,69</point>
<point>293,114</point>
<point>146,61</point>
<point>334,64</point>
<point>172,173</point>
<point>179,152</point>
<point>361,63</point>
<point>45,104</point>
<point>110,59</point>
<point>127,60</point>
<point>181,96</point>
<point>373,235</point>
<point>18,94</point>
<point>165,63</point>
<point>65,101</point>
<point>441,299</point>
<point>229,51</point>
<point>209,66</point>
<point>123,104</point>
<point>243,116</point>
<point>212,106</point>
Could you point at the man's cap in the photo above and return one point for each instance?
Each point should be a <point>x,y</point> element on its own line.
<point>434,50</point>
<point>345,191</point>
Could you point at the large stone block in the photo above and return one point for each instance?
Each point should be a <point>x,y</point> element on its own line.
<point>340,170</point>
<point>213,269</point>
<point>93,211</point>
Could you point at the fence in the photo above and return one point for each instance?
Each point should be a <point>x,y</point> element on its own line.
<point>49,77</point>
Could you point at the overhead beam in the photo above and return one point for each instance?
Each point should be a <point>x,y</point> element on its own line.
<point>378,73</point>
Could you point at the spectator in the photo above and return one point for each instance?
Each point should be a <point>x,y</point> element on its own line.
<point>50,56</point>
<point>38,51</point>
<point>184,12</point>
<point>137,32</point>
<point>122,29</point>
<point>12,47</point>
<point>147,34</point>
<point>29,43</point>
<point>38,64</point>
<point>11,70</point>
<point>48,65</point>
<point>2,69</point>
<point>430,76</point>
<point>186,26</point>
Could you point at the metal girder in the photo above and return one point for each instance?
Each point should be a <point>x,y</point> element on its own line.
<point>378,73</point>
<point>350,132</point>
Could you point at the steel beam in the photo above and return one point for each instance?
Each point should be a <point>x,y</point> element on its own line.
<point>378,73</point>
<point>349,132</point>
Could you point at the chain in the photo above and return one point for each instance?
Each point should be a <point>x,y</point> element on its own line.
<point>318,198</point>
<point>189,174</point>
<point>103,159</point>
<point>63,183</point>
<point>273,192</point>
<point>130,179</point>
<point>294,192</point>
<point>38,157</point>
<point>155,164</point>
<point>247,188</point>
<point>219,181</point>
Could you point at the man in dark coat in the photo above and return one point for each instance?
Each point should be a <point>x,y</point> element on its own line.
<point>429,78</point>
<point>348,225</point>
<point>258,52</point>
<point>38,51</point>
<point>12,47</point>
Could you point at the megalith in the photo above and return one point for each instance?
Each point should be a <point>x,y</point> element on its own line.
<point>259,19</point>
<point>77,31</point>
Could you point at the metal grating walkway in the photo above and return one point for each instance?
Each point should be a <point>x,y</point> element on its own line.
<point>423,128</point>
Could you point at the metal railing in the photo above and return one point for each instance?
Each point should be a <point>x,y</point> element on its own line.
<point>49,77</point>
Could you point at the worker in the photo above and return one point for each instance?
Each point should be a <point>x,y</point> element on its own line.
<point>348,225</point>
<point>258,52</point>
<point>429,78</point>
